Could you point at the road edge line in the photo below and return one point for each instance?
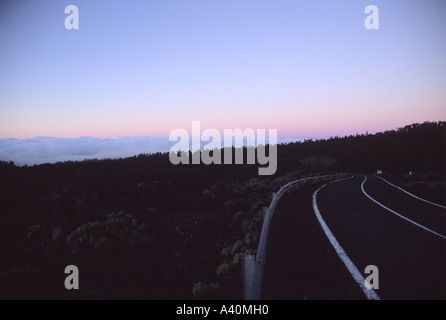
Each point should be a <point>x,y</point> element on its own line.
<point>357,276</point>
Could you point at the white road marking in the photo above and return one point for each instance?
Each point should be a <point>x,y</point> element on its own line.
<point>261,249</point>
<point>432,203</point>
<point>399,215</point>
<point>357,276</point>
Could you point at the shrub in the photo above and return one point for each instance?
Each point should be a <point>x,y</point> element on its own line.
<point>208,194</point>
<point>203,289</point>
<point>252,225</point>
<point>239,216</point>
<point>36,233</point>
<point>224,269</point>
<point>237,247</point>
<point>226,252</point>
<point>229,204</point>
<point>257,206</point>
<point>252,238</point>
<point>118,231</point>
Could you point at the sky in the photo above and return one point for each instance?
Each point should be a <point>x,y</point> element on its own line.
<point>309,69</point>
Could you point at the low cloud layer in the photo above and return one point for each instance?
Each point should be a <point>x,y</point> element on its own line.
<point>51,150</point>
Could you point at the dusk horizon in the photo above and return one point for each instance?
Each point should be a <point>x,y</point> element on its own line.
<point>43,150</point>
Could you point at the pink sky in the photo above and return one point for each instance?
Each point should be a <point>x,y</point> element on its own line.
<point>291,66</point>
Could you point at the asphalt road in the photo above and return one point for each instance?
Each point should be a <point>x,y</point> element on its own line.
<point>410,255</point>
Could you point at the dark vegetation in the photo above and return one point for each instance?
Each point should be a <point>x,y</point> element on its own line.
<point>416,148</point>
<point>142,228</point>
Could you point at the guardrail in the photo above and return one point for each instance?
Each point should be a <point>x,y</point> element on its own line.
<point>257,278</point>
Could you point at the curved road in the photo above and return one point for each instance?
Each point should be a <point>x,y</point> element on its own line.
<point>401,235</point>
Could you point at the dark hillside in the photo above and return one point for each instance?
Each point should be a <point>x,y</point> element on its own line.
<point>141,227</point>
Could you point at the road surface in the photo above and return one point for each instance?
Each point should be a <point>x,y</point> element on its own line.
<point>378,224</point>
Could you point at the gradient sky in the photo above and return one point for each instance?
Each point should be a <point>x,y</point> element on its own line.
<point>309,69</point>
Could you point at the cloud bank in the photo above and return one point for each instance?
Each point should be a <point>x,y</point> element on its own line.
<point>51,150</point>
